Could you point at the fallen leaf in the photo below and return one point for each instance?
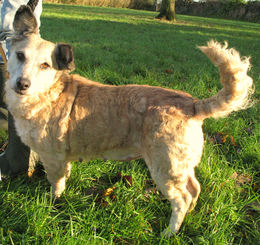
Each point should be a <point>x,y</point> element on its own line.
<point>232,140</point>
<point>108,191</point>
<point>168,71</point>
<point>241,179</point>
<point>128,180</point>
<point>103,197</point>
<point>113,197</point>
<point>219,137</point>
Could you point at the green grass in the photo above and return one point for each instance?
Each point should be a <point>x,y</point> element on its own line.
<point>121,46</point>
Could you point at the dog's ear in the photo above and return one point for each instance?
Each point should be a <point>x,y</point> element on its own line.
<point>63,58</point>
<point>24,21</point>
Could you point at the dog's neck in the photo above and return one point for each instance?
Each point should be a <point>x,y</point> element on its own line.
<point>39,114</point>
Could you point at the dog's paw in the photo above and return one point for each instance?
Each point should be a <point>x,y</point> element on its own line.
<point>168,232</point>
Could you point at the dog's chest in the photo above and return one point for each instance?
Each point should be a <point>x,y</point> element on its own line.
<point>32,134</point>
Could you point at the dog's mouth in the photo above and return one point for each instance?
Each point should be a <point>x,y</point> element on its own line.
<point>20,91</point>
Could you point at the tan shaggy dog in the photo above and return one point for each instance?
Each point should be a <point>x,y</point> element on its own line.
<point>65,117</point>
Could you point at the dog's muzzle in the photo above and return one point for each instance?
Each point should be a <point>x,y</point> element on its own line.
<point>22,84</point>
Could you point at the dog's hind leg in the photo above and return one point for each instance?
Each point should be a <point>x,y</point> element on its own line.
<point>176,183</point>
<point>193,186</point>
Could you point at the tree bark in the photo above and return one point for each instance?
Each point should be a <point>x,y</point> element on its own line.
<point>167,10</point>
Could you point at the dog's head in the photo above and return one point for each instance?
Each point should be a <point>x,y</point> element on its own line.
<point>35,64</point>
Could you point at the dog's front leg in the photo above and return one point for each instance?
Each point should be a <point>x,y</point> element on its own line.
<point>57,172</point>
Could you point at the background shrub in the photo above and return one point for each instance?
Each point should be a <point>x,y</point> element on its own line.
<point>134,4</point>
<point>231,9</point>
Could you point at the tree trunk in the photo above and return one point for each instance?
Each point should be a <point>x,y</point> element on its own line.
<point>167,10</point>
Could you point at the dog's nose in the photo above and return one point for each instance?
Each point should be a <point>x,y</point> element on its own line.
<point>22,83</point>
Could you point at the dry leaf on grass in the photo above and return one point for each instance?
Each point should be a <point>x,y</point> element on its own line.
<point>127,179</point>
<point>169,71</point>
<point>108,191</point>
<point>241,179</point>
<point>232,140</point>
<point>106,195</point>
<point>222,138</point>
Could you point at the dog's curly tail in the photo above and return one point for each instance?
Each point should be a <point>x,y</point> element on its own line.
<point>238,86</point>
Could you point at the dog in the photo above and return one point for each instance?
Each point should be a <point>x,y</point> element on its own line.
<point>65,117</point>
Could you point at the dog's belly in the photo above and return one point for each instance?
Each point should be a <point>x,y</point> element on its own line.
<point>122,155</point>
<point>125,154</point>
<point>119,153</point>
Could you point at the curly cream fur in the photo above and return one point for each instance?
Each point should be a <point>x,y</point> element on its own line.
<point>238,86</point>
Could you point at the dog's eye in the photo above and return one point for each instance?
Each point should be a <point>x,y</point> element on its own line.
<point>20,56</point>
<point>44,66</point>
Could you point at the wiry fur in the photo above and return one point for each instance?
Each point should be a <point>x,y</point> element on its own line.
<point>66,117</point>
<point>238,86</point>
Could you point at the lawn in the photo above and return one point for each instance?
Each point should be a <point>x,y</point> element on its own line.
<point>117,202</point>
